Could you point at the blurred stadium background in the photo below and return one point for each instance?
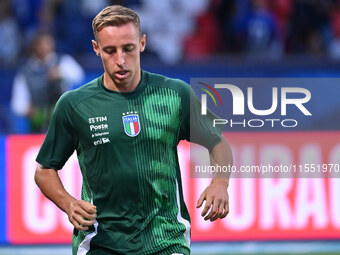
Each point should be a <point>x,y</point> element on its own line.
<point>185,39</point>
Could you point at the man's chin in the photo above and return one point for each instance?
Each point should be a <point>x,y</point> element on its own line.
<point>121,83</point>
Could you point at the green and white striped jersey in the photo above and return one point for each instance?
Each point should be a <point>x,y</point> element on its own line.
<point>127,151</point>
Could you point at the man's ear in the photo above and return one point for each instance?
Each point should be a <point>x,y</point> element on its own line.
<point>95,47</point>
<point>143,42</point>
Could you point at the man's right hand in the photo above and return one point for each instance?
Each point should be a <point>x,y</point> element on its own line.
<point>82,214</point>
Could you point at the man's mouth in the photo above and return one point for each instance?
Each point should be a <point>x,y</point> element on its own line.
<point>122,74</point>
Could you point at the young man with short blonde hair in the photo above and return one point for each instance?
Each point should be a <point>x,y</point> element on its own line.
<point>125,127</point>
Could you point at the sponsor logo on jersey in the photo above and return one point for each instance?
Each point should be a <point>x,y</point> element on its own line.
<point>131,123</point>
<point>103,140</point>
<point>97,119</point>
<point>99,127</point>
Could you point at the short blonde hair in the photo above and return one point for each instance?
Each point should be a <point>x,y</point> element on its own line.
<point>115,15</point>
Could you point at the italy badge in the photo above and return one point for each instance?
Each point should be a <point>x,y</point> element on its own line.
<point>131,123</point>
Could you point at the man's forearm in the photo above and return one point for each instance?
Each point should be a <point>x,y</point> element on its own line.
<point>50,185</point>
<point>216,194</point>
<point>222,156</point>
<point>81,214</point>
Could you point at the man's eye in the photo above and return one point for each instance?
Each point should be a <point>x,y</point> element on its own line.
<point>110,51</point>
<point>128,49</point>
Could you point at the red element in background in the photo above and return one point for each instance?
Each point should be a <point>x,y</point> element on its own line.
<point>294,141</point>
<point>17,232</point>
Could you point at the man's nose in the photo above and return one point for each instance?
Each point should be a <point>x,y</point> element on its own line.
<point>120,58</point>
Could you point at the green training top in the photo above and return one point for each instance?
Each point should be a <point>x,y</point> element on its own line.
<point>127,151</point>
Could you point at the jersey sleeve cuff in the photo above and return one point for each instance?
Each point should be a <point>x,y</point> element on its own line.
<point>49,164</point>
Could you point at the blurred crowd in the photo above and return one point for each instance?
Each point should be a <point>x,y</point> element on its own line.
<point>179,29</point>
<point>41,40</point>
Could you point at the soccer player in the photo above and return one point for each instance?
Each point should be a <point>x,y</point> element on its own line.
<point>125,126</point>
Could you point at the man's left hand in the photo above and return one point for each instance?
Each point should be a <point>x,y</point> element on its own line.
<point>216,197</point>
